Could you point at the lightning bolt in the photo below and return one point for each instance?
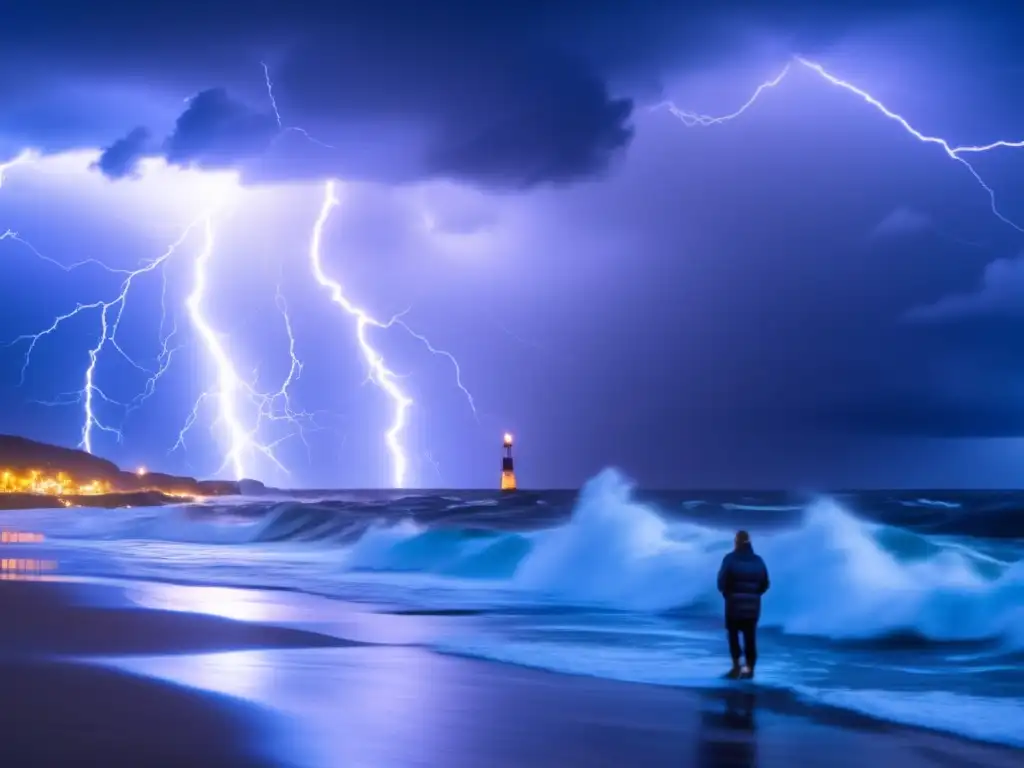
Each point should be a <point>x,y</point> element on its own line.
<point>22,158</point>
<point>437,467</point>
<point>294,369</point>
<point>228,382</point>
<point>230,393</point>
<point>270,93</point>
<point>234,397</point>
<point>277,112</point>
<point>691,119</point>
<point>110,314</point>
<point>955,153</point>
<point>277,406</point>
<point>378,371</point>
<point>230,387</point>
<point>441,353</point>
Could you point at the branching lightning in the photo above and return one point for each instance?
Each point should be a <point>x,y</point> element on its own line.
<point>378,371</point>
<point>956,153</point>
<point>229,385</point>
<point>691,119</point>
<point>240,407</point>
<point>277,112</point>
<point>441,353</point>
<point>230,390</point>
<point>110,315</point>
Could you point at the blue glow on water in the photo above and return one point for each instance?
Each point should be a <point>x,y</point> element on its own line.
<point>910,609</point>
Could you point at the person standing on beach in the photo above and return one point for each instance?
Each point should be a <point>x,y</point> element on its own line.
<point>742,579</point>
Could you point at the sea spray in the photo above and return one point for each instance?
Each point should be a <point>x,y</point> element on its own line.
<point>834,575</point>
<point>831,576</point>
<point>619,552</point>
<point>872,601</point>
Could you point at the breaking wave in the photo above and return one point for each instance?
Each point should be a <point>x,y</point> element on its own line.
<point>834,575</point>
<point>925,590</point>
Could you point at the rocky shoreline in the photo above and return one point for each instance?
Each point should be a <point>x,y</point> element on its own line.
<point>98,500</point>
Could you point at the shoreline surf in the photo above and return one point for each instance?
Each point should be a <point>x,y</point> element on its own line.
<point>615,586</point>
<point>274,699</point>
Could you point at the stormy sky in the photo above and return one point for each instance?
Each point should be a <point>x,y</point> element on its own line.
<point>805,296</point>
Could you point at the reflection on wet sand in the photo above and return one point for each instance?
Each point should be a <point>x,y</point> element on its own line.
<point>226,602</point>
<point>59,713</point>
<point>25,568</point>
<point>728,730</point>
<point>21,537</point>
<point>301,698</point>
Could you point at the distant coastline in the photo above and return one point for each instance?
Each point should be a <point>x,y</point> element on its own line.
<point>40,475</point>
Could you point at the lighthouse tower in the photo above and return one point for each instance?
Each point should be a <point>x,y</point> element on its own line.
<point>508,473</point>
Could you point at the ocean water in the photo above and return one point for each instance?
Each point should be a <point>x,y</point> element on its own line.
<point>903,606</point>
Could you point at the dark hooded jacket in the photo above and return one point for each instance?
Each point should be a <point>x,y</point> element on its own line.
<point>742,579</point>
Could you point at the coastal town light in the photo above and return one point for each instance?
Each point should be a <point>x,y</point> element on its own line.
<point>61,484</point>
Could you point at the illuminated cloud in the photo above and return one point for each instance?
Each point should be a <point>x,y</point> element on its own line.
<point>504,94</point>
<point>693,232</point>
<point>902,222</point>
<point>1001,293</point>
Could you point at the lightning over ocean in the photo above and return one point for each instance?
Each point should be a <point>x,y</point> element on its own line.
<point>283,257</point>
<point>229,388</point>
<point>953,151</point>
<point>238,409</point>
<point>512,383</point>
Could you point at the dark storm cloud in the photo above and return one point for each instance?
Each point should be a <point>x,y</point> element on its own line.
<point>122,157</point>
<point>507,93</point>
<point>217,131</point>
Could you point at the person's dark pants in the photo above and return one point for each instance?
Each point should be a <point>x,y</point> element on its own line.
<point>747,628</point>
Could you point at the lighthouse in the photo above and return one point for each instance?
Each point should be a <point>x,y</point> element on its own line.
<point>508,473</point>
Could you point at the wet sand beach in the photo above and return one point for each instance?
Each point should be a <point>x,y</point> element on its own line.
<point>92,676</point>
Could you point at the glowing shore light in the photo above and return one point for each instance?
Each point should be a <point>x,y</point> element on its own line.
<point>60,484</point>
